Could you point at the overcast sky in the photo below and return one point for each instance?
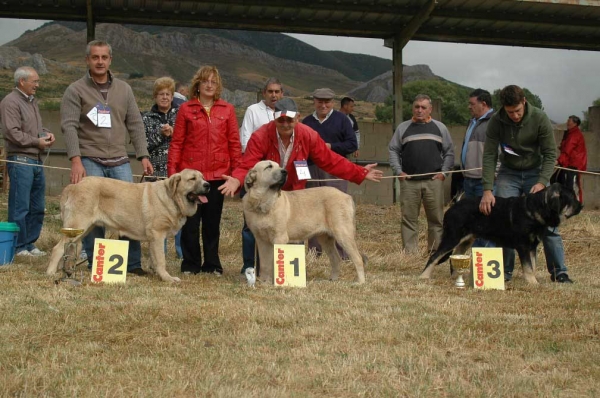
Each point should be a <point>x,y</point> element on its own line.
<point>566,81</point>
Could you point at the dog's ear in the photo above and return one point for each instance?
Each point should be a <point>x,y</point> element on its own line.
<point>552,197</point>
<point>173,183</point>
<point>250,179</point>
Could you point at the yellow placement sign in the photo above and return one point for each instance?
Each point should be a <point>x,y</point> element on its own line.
<point>110,261</point>
<point>289,266</point>
<point>487,268</point>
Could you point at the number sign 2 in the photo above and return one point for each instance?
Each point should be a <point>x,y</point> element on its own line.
<point>110,261</point>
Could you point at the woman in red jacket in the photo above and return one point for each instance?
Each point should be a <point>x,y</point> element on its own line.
<point>206,139</point>
<point>573,154</point>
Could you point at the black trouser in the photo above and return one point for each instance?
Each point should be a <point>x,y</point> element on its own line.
<point>210,215</point>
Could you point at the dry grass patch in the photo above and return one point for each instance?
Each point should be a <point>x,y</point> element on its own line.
<point>394,336</point>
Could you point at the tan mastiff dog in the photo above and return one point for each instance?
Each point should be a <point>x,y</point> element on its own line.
<point>146,212</point>
<point>278,217</point>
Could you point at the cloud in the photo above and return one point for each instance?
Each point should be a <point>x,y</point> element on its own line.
<point>565,80</point>
<point>11,29</point>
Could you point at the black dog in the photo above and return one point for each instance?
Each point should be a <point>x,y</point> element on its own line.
<point>517,223</point>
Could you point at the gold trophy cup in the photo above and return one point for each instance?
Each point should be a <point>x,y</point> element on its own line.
<point>461,263</point>
<point>71,254</point>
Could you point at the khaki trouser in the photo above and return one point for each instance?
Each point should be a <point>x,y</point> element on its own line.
<point>412,193</point>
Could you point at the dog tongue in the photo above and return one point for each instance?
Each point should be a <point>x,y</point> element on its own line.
<point>202,199</point>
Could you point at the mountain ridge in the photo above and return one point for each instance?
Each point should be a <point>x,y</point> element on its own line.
<point>142,53</point>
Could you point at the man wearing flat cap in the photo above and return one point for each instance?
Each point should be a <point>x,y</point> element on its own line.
<point>336,130</point>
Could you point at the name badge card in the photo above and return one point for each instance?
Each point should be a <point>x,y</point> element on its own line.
<point>110,261</point>
<point>104,117</point>
<point>100,116</point>
<point>289,266</point>
<point>302,169</point>
<point>93,115</point>
<point>487,268</point>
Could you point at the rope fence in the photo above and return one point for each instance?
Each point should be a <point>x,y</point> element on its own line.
<point>593,173</point>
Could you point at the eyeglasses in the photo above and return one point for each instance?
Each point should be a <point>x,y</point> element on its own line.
<point>208,82</point>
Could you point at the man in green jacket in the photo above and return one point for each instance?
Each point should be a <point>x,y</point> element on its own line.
<point>528,154</point>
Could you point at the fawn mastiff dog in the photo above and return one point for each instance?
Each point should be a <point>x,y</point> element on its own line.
<point>146,212</point>
<point>277,217</point>
<point>518,223</point>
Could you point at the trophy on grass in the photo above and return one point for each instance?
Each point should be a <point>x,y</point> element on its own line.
<point>71,255</point>
<point>461,263</point>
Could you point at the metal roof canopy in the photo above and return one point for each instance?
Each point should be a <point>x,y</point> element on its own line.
<point>565,24</point>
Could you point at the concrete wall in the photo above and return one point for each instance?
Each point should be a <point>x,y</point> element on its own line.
<point>375,138</point>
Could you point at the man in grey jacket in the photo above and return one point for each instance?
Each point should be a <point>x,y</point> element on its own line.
<point>26,141</point>
<point>421,151</point>
<point>98,111</point>
<point>480,107</point>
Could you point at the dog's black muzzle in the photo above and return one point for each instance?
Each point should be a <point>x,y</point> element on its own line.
<point>282,179</point>
<point>199,196</point>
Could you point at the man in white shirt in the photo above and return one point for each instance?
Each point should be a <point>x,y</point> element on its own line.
<point>256,116</point>
<point>261,112</point>
<point>180,94</point>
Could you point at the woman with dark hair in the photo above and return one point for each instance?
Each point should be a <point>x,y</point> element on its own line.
<point>207,139</point>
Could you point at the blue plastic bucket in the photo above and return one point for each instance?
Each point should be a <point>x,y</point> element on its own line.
<point>8,241</point>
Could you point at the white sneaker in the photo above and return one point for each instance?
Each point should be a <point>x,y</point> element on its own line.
<point>37,252</point>
<point>250,276</point>
<point>24,253</point>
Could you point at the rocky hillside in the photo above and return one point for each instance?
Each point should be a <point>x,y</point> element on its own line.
<point>245,59</point>
<point>179,54</point>
<point>381,87</point>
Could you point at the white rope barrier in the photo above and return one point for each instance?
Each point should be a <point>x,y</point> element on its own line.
<point>332,179</point>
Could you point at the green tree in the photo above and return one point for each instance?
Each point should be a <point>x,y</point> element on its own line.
<point>385,113</point>
<point>454,100</point>
<point>585,124</point>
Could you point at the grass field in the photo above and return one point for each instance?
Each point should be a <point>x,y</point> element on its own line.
<point>213,336</point>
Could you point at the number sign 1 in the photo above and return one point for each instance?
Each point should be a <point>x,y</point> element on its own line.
<point>289,266</point>
<point>110,261</point>
<point>487,268</point>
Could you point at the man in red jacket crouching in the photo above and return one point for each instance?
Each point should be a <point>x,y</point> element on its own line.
<point>290,143</point>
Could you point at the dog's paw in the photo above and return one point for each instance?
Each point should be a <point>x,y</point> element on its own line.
<point>172,279</point>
